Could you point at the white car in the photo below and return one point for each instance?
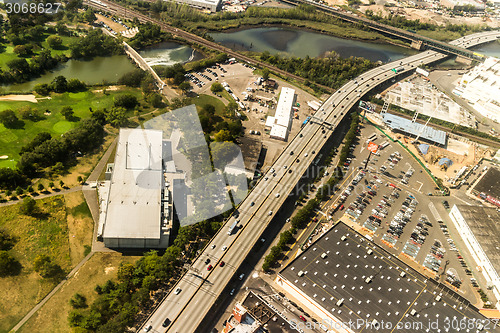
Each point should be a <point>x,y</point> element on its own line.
<point>177,291</point>
<point>224,248</point>
<point>270,212</point>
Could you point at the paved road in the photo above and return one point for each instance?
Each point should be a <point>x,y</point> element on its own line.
<point>44,195</point>
<point>201,287</point>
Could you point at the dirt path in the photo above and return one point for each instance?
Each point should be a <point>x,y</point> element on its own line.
<point>27,98</point>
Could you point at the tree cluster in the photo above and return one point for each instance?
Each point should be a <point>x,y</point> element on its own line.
<point>331,71</point>
<point>21,70</point>
<point>95,43</point>
<point>286,237</point>
<point>60,85</point>
<point>149,34</point>
<point>49,152</point>
<point>8,264</point>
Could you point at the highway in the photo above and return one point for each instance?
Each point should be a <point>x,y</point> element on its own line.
<point>200,287</point>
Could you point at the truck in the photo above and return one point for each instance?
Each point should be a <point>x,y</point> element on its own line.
<point>398,69</point>
<point>232,228</point>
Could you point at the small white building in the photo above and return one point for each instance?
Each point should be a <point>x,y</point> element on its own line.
<point>211,5</point>
<point>281,122</point>
<point>479,230</point>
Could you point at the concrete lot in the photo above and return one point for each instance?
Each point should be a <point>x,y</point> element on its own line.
<point>239,78</point>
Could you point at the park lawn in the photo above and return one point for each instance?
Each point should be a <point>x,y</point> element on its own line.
<point>64,49</point>
<point>12,140</point>
<point>6,56</point>
<point>53,316</point>
<point>9,54</point>
<point>49,234</point>
<point>202,100</point>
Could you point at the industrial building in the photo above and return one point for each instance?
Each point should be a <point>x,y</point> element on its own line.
<point>137,212</point>
<point>488,187</point>
<point>481,88</point>
<point>460,3</point>
<point>417,94</point>
<point>211,5</point>
<point>353,285</point>
<point>408,127</point>
<point>281,122</point>
<point>479,229</point>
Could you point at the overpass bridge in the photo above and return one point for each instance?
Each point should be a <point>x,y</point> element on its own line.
<point>418,42</point>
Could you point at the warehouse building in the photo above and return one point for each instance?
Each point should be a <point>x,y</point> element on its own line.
<point>281,122</point>
<point>211,5</point>
<point>479,229</point>
<point>488,187</point>
<point>353,285</point>
<point>137,210</point>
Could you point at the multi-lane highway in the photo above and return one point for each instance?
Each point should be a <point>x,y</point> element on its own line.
<point>201,287</point>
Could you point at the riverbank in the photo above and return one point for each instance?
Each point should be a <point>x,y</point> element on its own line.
<point>311,26</point>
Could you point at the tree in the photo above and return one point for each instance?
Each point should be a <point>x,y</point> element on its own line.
<point>59,84</point>
<point>89,16</point>
<point>30,189</point>
<point>8,264</point>
<point>116,117</point>
<point>185,87</point>
<point>44,266</point>
<point>76,85</point>
<point>265,73</point>
<point>61,183</point>
<point>51,184</point>
<point>67,112</point>
<point>7,242</point>
<point>155,100</point>
<point>223,135</point>
<point>19,190</point>
<point>40,187</point>
<point>79,179</point>
<point>42,89</point>
<point>78,301</point>
<point>54,41</point>
<point>127,101</point>
<point>28,206</point>
<point>231,108</point>
<point>8,118</point>
<point>216,87</point>
<point>132,78</point>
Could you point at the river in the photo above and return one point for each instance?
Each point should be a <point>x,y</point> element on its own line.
<point>110,69</point>
<point>302,43</point>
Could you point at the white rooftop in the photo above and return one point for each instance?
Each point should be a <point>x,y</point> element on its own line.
<point>279,132</point>
<point>135,194</point>
<point>481,87</point>
<point>284,108</point>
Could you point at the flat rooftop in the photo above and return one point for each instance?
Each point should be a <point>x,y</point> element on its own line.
<point>483,222</point>
<point>391,294</point>
<point>490,183</point>
<point>135,195</point>
<point>407,126</point>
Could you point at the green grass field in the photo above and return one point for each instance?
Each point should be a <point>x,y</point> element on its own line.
<point>11,140</point>
<point>9,54</point>
<point>60,233</point>
<point>202,100</point>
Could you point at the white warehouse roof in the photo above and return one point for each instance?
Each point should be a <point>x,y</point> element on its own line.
<point>135,195</point>
<point>283,113</point>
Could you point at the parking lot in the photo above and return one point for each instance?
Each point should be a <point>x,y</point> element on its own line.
<point>388,202</point>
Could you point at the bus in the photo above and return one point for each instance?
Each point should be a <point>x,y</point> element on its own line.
<point>305,121</point>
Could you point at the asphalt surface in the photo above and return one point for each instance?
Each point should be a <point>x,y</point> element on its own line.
<point>201,287</point>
